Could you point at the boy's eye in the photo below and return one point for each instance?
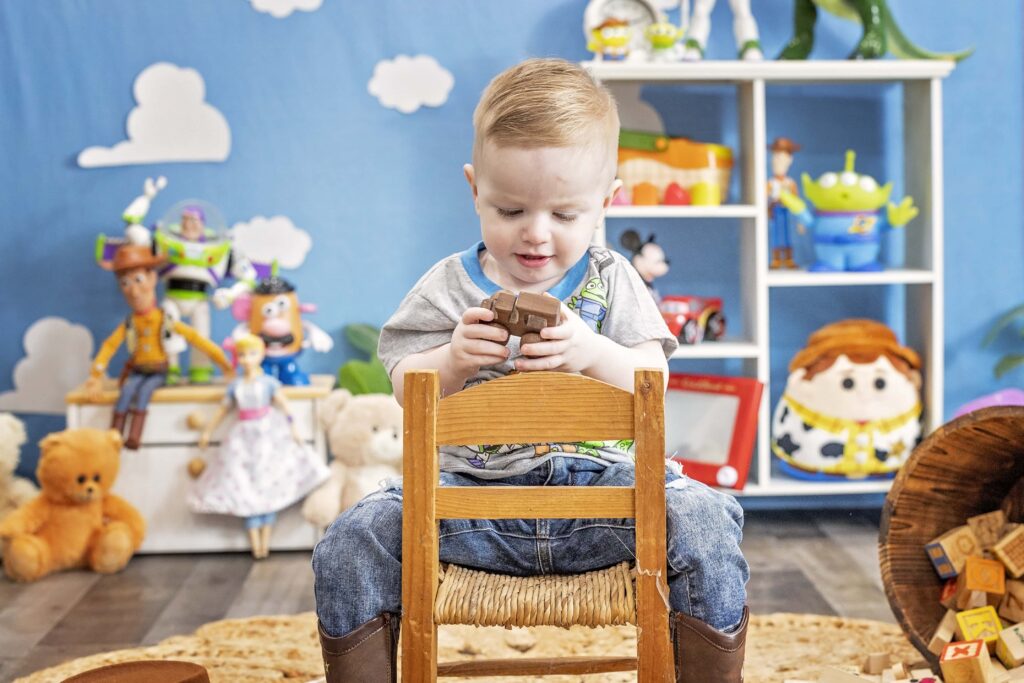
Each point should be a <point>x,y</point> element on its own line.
<point>564,217</point>
<point>509,213</point>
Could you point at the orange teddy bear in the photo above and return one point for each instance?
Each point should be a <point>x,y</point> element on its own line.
<point>75,521</point>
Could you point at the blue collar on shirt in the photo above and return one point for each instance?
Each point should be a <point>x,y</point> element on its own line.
<point>566,286</point>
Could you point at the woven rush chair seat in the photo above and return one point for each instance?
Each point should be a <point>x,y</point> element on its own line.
<point>605,597</point>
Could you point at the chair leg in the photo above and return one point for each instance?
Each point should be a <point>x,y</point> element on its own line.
<point>367,654</point>
<point>703,653</point>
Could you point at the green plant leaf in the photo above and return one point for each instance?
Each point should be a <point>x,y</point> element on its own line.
<point>363,337</point>
<point>1003,321</point>
<point>1007,363</point>
<point>364,377</point>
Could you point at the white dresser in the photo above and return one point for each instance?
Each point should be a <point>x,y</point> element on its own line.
<point>155,478</point>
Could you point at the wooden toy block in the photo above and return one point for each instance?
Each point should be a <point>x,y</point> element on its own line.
<point>888,676</point>
<point>988,528</point>
<point>1010,646</point>
<point>947,598</point>
<point>523,315</point>
<point>876,663</point>
<point>967,662</point>
<point>1014,675</point>
<point>834,675</point>
<point>1011,607</point>
<point>899,671</point>
<point>987,576</point>
<point>949,551</point>
<point>1010,551</point>
<point>944,633</point>
<point>979,624</point>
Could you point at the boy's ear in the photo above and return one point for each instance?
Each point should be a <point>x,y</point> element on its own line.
<point>470,174</point>
<point>616,187</point>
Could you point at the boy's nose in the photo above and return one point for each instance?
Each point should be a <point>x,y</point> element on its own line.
<point>536,230</point>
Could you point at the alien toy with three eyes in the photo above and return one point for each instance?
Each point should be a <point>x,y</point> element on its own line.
<point>847,220</point>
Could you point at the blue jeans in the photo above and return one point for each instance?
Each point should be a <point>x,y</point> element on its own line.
<point>357,566</point>
<point>138,387</point>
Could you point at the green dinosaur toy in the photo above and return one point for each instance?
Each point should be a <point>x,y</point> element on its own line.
<point>881,33</point>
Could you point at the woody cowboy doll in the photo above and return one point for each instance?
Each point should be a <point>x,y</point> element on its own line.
<point>779,217</point>
<point>145,333</point>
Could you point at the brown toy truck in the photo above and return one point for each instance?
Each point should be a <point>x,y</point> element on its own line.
<point>524,315</point>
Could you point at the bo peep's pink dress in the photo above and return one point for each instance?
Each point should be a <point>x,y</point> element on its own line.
<point>259,469</point>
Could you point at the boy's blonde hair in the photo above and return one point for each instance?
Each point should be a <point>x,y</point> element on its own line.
<point>546,103</point>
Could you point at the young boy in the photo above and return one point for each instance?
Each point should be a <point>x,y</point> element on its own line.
<point>543,174</point>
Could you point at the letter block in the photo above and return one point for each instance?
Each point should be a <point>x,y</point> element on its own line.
<point>1010,551</point>
<point>979,624</point>
<point>988,528</point>
<point>1010,646</point>
<point>967,662</point>
<point>949,551</point>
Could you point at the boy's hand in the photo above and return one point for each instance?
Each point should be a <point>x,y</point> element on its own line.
<point>475,345</point>
<point>570,346</point>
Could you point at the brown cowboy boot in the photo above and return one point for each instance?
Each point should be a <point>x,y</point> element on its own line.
<point>704,654</point>
<point>776,258</point>
<point>135,430</point>
<point>787,258</point>
<point>117,422</point>
<point>367,654</point>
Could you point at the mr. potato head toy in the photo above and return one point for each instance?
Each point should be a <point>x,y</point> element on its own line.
<point>273,312</point>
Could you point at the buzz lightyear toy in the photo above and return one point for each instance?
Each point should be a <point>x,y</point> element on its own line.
<point>848,221</point>
<point>193,237</point>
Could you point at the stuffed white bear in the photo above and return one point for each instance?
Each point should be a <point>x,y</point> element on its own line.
<point>14,491</point>
<point>364,433</point>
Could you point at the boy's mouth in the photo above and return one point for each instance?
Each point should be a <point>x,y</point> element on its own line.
<point>532,260</point>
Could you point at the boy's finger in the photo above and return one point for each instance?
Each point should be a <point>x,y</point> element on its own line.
<point>541,349</point>
<point>482,347</point>
<point>534,364</point>
<point>493,333</point>
<point>476,314</point>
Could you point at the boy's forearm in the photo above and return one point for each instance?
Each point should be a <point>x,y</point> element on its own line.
<point>436,359</point>
<point>615,364</point>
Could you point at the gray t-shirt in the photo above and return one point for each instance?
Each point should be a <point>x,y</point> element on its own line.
<point>602,288</point>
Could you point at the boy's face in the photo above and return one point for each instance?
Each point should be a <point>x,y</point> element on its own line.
<point>538,209</point>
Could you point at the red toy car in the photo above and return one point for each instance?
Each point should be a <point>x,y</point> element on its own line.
<point>693,319</point>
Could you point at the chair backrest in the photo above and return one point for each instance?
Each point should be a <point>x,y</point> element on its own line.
<point>537,407</point>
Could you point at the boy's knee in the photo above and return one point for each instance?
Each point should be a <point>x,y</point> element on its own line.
<point>374,521</point>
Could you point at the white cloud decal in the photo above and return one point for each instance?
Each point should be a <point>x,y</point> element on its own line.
<point>279,9</point>
<point>408,83</point>
<point>58,355</point>
<point>262,240</point>
<point>170,122</point>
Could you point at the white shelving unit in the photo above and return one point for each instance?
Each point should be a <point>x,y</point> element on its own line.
<point>922,276</point>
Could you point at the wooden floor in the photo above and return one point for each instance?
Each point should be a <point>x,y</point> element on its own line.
<point>807,561</point>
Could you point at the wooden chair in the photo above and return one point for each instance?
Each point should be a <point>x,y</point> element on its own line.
<point>536,407</point>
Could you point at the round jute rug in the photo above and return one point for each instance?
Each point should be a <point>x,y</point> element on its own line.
<point>285,648</point>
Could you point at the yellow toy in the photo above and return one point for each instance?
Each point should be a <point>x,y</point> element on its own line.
<point>75,522</point>
<point>610,40</point>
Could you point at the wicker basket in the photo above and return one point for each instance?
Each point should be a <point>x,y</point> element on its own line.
<point>969,466</point>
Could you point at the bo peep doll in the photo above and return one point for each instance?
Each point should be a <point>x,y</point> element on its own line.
<point>262,466</point>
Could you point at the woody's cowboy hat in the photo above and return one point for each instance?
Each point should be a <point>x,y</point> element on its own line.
<point>132,256</point>
<point>784,145</point>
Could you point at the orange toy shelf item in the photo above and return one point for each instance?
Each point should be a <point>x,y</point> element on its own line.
<point>701,168</point>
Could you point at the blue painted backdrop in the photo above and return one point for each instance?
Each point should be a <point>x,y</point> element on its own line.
<point>382,193</point>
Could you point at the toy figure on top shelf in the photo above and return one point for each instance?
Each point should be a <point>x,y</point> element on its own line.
<point>149,334</point>
<point>647,257</point>
<point>263,466</point>
<point>847,221</point>
<point>779,217</point>
<point>616,30</point>
<point>881,34</point>
<point>193,236</point>
<point>851,407</point>
<point>665,39</point>
<point>273,312</point>
<point>748,44</point>
<point>610,40</point>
